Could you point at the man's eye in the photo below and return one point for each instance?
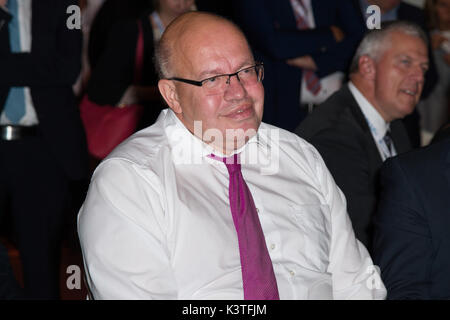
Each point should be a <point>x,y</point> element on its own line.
<point>211,80</point>
<point>406,62</point>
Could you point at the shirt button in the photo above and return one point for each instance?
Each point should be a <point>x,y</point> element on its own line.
<point>272,246</point>
<point>292,273</point>
<point>257,210</point>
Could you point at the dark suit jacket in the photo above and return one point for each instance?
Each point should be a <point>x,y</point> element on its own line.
<point>49,70</point>
<point>339,131</point>
<point>272,32</point>
<point>412,238</point>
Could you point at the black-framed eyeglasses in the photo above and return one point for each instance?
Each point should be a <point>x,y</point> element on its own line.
<point>217,84</point>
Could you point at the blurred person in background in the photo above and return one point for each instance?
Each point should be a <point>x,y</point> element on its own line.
<point>111,81</point>
<point>89,9</point>
<point>42,144</point>
<point>434,110</point>
<point>306,46</point>
<point>360,126</point>
<point>392,10</point>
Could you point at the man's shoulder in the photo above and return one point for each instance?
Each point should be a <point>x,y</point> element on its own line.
<point>424,161</point>
<point>333,115</point>
<point>281,137</point>
<point>143,147</point>
<point>289,145</point>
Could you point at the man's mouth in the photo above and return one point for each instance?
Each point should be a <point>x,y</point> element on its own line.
<point>240,113</point>
<point>412,93</point>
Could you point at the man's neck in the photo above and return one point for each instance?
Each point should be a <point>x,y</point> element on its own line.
<point>366,93</point>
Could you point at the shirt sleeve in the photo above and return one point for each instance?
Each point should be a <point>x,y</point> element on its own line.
<point>353,274</point>
<point>122,233</point>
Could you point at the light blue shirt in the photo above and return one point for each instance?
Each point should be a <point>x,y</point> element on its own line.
<point>378,126</point>
<point>25,18</point>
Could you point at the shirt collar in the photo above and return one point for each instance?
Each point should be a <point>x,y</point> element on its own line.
<point>189,149</point>
<point>378,126</point>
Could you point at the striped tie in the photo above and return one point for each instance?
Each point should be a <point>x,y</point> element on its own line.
<point>15,103</point>
<point>312,80</point>
<point>389,143</point>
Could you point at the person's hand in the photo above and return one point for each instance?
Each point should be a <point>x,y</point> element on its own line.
<point>304,62</point>
<point>337,33</point>
<point>3,3</point>
<point>436,40</point>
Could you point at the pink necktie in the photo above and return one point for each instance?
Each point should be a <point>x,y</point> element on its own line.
<point>312,80</point>
<point>258,278</point>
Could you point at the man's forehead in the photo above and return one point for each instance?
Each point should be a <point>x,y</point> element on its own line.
<point>401,43</point>
<point>210,52</point>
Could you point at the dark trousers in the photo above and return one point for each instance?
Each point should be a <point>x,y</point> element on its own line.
<point>9,288</point>
<point>34,189</point>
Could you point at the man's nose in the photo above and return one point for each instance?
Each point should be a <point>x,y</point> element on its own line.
<point>234,89</point>
<point>418,73</point>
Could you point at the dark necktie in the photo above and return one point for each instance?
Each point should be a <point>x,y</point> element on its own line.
<point>312,80</point>
<point>389,143</point>
<point>258,277</point>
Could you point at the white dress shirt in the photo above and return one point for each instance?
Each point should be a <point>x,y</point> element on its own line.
<point>378,127</point>
<point>25,18</point>
<point>156,223</point>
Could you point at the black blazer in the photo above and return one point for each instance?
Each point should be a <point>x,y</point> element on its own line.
<point>49,70</point>
<point>412,238</point>
<point>339,131</point>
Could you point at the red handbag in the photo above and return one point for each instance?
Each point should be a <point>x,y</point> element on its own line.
<point>107,126</point>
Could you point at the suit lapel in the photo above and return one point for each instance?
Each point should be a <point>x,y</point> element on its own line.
<point>371,146</point>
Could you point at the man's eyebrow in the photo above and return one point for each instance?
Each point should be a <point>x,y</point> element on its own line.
<point>211,73</point>
<point>406,55</point>
<point>217,71</point>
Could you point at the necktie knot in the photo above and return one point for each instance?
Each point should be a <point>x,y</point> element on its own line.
<point>232,163</point>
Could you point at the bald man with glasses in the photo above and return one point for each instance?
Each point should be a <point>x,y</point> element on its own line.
<point>211,203</point>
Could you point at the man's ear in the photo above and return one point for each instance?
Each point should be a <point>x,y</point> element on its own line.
<point>169,92</point>
<point>366,67</point>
